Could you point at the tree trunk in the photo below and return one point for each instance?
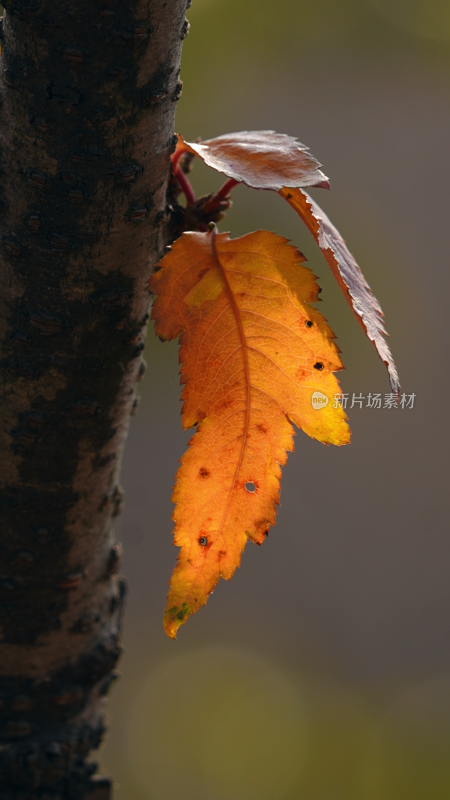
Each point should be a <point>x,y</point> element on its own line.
<point>88,91</point>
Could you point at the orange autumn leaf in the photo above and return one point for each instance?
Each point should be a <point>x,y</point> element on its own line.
<point>269,160</point>
<point>256,357</point>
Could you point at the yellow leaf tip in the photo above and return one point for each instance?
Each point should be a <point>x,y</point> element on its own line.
<point>175,617</point>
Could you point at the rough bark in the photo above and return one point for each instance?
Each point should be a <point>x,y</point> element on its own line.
<point>88,91</point>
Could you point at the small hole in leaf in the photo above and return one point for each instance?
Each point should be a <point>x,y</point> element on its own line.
<point>203,541</point>
<point>308,323</point>
<point>250,487</point>
<point>318,365</point>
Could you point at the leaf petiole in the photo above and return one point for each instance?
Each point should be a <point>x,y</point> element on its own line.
<point>180,150</point>
<point>222,194</point>
<point>185,186</point>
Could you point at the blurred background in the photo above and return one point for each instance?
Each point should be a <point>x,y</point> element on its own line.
<point>322,670</point>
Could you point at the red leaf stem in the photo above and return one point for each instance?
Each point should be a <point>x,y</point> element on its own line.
<point>223,192</point>
<point>185,185</point>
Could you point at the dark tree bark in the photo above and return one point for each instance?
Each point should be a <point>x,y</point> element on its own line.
<point>88,91</point>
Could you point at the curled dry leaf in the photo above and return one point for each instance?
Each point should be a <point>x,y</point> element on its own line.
<point>260,159</point>
<point>268,160</point>
<point>347,273</point>
<point>253,353</point>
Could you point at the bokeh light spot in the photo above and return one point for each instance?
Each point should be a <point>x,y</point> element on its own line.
<point>217,723</point>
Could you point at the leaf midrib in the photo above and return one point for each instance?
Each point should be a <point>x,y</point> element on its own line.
<point>240,327</point>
